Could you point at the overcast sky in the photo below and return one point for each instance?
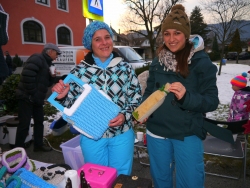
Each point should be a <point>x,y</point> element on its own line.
<point>114,9</point>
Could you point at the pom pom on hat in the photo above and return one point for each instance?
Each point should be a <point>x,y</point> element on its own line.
<point>90,31</point>
<point>244,74</point>
<point>178,6</point>
<point>240,81</point>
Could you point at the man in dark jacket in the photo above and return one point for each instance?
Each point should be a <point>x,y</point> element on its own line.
<point>31,92</point>
<point>8,60</point>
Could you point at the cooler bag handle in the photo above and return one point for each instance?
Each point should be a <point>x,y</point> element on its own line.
<point>99,171</point>
<point>69,111</point>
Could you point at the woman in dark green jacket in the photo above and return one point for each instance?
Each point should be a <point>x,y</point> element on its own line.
<point>175,130</point>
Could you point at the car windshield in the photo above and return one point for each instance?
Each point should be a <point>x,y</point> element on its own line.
<point>130,54</point>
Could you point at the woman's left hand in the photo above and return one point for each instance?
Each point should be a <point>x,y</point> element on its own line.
<point>178,89</point>
<point>117,121</point>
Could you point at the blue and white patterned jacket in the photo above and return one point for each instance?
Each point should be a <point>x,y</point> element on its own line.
<point>118,81</point>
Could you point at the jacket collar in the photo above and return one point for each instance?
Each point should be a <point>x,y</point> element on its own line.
<point>90,60</point>
<point>47,58</point>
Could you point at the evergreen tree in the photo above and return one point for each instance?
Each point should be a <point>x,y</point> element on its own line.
<point>215,48</point>
<point>235,45</point>
<point>215,54</point>
<point>198,26</point>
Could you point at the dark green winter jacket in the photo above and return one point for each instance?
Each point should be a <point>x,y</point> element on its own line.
<point>178,119</point>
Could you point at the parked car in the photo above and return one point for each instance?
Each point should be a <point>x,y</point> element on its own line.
<point>131,56</point>
<point>231,55</point>
<point>244,55</point>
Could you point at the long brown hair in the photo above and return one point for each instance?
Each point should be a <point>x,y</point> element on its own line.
<point>181,57</point>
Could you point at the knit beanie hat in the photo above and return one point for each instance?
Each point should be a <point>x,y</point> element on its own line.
<point>240,81</point>
<point>90,31</point>
<point>177,19</point>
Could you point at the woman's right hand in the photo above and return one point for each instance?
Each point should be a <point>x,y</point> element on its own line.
<point>61,88</point>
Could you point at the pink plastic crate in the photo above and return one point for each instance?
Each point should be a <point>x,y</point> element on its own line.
<point>98,176</point>
<point>72,153</point>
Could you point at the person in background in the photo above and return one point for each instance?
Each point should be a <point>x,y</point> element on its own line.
<point>4,38</point>
<point>176,129</point>
<point>237,110</point>
<point>4,70</point>
<point>107,72</point>
<point>31,92</point>
<point>8,60</point>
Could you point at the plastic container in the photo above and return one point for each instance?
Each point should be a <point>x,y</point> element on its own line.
<point>98,176</point>
<point>12,124</point>
<point>59,126</point>
<point>72,153</point>
<point>224,61</point>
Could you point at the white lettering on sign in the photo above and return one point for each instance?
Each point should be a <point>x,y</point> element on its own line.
<point>96,4</point>
<point>66,56</point>
<point>64,67</point>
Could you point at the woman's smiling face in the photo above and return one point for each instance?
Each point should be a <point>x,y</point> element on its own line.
<point>102,44</point>
<point>175,40</point>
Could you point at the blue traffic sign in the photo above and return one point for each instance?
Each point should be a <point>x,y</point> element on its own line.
<point>96,7</point>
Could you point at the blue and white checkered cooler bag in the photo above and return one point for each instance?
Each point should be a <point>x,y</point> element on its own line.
<point>91,111</point>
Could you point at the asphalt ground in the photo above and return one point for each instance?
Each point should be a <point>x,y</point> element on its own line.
<point>55,157</point>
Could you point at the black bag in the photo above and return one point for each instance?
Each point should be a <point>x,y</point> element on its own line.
<point>124,181</point>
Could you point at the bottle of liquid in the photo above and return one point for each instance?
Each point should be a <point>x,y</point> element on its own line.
<point>145,139</point>
<point>88,185</point>
<point>83,181</point>
<point>68,183</point>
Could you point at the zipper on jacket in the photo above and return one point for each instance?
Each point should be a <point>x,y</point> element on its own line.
<point>105,80</point>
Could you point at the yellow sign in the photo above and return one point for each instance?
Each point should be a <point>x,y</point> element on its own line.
<point>89,15</point>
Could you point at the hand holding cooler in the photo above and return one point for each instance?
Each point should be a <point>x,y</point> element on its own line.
<point>92,110</point>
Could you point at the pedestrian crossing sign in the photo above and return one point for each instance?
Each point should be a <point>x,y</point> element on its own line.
<point>96,7</point>
<point>93,9</point>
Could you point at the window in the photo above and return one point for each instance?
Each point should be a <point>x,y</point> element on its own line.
<point>43,2</point>
<point>62,4</point>
<point>63,36</point>
<point>32,32</point>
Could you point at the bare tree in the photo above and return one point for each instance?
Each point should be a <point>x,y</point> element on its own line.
<point>227,16</point>
<point>125,20</point>
<point>148,14</point>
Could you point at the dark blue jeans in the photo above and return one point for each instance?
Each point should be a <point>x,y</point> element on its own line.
<point>26,110</point>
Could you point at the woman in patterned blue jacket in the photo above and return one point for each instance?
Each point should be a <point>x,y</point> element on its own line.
<point>109,73</point>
